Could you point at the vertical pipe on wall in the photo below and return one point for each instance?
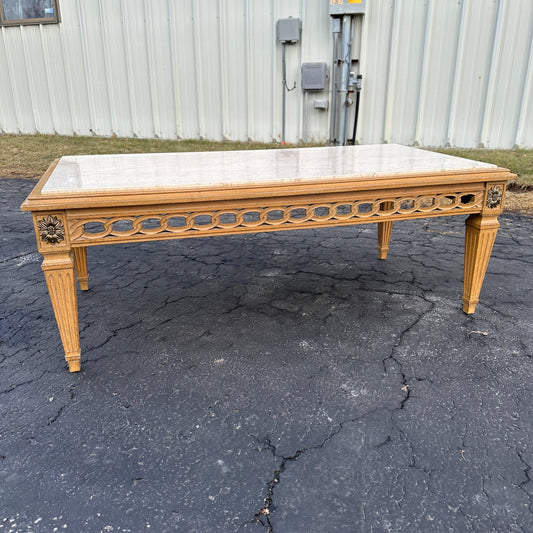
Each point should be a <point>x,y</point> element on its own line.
<point>345,72</point>
<point>284,93</point>
<point>335,22</point>
<point>274,74</point>
<point>358,84</point>
<point>303,22</point>
<point>306,113</point>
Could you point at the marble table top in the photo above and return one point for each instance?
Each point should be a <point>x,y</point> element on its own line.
<point>194,170</point>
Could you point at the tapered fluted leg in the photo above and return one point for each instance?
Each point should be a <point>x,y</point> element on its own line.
<point>80,262</point>
<point>480,235</point>
<point>59,273</point>
<point>384,232</point>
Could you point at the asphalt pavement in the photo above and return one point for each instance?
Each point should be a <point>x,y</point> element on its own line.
<point>286,382</point>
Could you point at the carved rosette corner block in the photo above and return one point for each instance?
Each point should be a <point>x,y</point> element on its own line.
<point>494,197</point>
<point>51,230</point>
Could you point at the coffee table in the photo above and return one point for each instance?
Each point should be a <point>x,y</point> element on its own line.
<point>104,199</point>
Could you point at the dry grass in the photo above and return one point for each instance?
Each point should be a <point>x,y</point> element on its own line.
<point>518,161</point>
<point>519,196</point>
<point>28,156</point>
<point>520,202</point>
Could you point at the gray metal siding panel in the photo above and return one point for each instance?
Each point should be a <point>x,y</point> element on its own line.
<point>375,68</point>
<point>9,122</point>
<point>508,73</point>
<point>524,134</point>
<point>476,39</point>
<point>434,71</point>
<point>440,58</point>
<point>407,56</point>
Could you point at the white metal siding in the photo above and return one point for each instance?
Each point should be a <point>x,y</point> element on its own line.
<point>435,72</point>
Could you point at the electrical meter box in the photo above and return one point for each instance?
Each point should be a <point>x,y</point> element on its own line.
<point>289,30</point>
<point>346,7</point>
<point>314,76</point>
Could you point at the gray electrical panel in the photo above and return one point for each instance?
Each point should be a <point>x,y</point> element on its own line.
<point>321,104</point>
<point>346,7</point>
<point>289,30</point>
<point>314,76</point>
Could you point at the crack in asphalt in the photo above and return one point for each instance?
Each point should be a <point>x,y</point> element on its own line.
<point>406,388</point>
<point>56,416</point>
<point>53,419</point>
<point>262,517</point>
<point>29,254</point>
<point>114,333</point>
<point>264,512</point>
<point>528,479</point>
<point>527,469</point>
<point>17,385</point>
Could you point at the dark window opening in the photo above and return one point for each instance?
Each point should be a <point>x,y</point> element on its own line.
<point>22,12</point>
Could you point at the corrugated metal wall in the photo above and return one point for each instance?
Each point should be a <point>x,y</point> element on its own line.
<point>434,71</point>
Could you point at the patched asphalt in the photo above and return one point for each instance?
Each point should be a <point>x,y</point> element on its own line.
<point>286,382</point>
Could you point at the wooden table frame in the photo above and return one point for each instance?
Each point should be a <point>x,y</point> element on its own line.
<point>62,222</point>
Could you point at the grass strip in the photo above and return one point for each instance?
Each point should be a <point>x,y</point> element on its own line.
<point>30,155</point>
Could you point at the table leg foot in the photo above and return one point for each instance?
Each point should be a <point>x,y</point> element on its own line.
<point>74,363</point>
<point>480,234</point>
<point>80,262</point>
<point>469,307</point>
<point>59,273</point>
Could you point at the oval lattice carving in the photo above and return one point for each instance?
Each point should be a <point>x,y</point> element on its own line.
<point>178,223</point>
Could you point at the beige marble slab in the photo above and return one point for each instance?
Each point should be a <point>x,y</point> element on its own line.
<point>186,170</point>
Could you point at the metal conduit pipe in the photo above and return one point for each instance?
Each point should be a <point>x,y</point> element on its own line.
<point>345,73</point>
<point>358,83</point>
<point>284,83</point>
<point>306,107</point>
<point>336,28</point>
